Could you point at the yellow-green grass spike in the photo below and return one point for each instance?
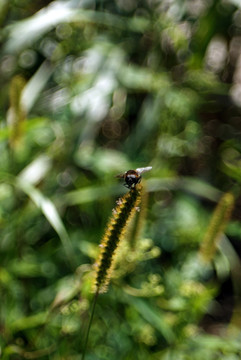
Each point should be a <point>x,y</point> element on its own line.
<point>115,230</point>
<point>17,113</point>
<point>217,226</point>
<point>137,226</point>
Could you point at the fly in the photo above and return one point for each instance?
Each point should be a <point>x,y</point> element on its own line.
<point>133,177</point>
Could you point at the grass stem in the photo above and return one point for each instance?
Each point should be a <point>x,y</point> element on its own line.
<point>90,322</point>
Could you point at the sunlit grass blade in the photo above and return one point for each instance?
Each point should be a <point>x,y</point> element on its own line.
<point>50,212</point>
<point>23,33</point>
<point>35,85</point>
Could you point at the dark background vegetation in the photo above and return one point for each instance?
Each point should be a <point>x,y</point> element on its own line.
<point>90,89</point>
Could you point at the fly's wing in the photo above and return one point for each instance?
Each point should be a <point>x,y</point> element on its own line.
<point>120,176</point>
<point>142,170</point>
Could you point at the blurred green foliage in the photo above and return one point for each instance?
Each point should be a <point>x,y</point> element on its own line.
<point>90,89</point>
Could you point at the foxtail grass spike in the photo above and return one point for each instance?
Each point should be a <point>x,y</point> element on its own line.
<point>115,230</point>
<point>217,226</point>
<point>16,114</point>
<point>139,220</point>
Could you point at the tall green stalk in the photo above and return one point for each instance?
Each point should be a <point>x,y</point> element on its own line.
<point>90,323</point>
<point>115,230</point>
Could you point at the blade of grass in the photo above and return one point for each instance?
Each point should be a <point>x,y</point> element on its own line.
<point>23,33</point>
<point>50,212</point>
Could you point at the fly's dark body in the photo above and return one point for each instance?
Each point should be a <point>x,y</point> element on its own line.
<point>133,177</point>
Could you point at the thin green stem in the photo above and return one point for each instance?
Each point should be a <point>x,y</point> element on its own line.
<point>90,322</point>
